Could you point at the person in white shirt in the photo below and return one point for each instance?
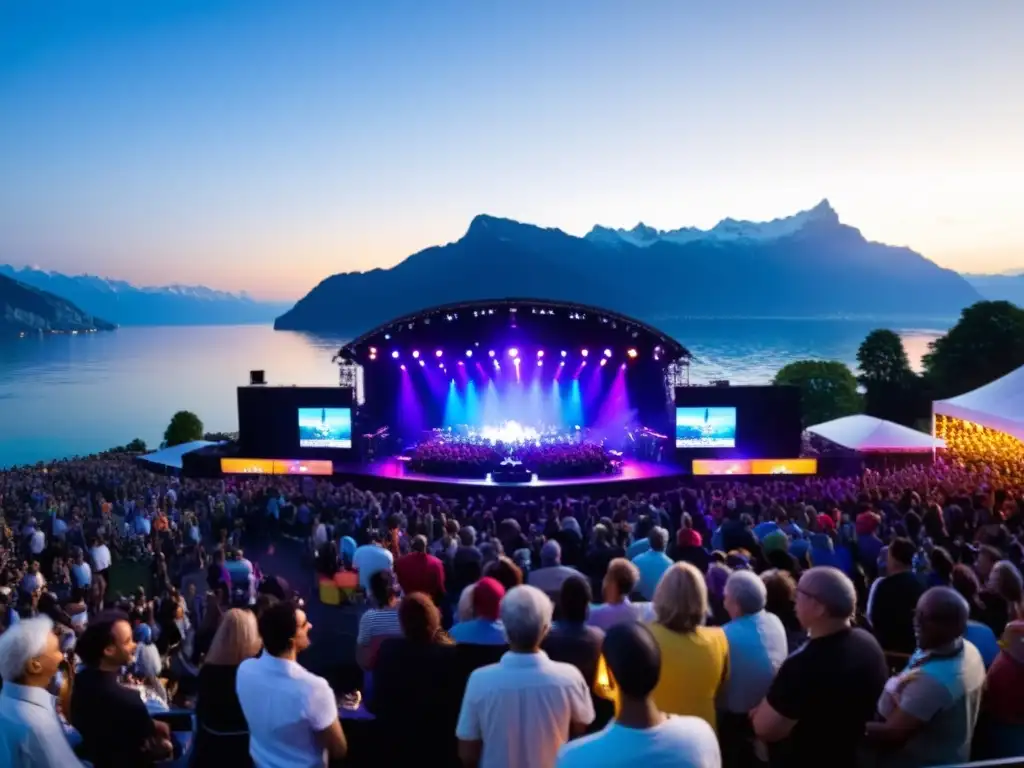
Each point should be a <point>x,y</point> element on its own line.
<point>520,711</point>
<point>31,734</point>
<point>292,713</point>
<point>81,573</point>
<point>100,555</point>
<point>641,735</point>
<point>37,542</point>
<point>371,558</point>
<point>757,648</point>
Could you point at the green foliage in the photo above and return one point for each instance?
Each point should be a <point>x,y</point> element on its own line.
<point>136,446</point>
<point>185,427</point>
<point>985,344</point>
<point>828,389</point>
<point>892,390</point>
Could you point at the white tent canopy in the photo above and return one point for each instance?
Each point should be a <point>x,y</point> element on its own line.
<point>998,405</point>
<point>872,435</point>
<point>170,458</point>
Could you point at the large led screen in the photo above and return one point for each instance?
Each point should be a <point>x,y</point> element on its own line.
<point>705,427</point>
<point>325,427</point>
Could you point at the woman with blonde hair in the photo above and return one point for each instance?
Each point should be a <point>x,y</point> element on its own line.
<point>222,734</point>
<point>694,658</point>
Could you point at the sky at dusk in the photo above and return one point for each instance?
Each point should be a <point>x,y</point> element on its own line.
<point>262,145</point>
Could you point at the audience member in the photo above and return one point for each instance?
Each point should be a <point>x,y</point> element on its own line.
<point>930,709</point>
<point>116,728</point>
<point>641,734</point>
<point>292,714</point>
<point>520,711</point>
<point>31,735</point>
<point>893,599</point>
<point>694,658</point>
<point>824,693</point>
<point>222,733</point>
<point>571,640</point>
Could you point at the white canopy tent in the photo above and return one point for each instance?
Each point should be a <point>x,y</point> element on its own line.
<point>868,434</point>
<point>998,405</point>
<point>170,458</point>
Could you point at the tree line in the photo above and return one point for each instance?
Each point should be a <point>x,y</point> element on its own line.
<point>986,343</point>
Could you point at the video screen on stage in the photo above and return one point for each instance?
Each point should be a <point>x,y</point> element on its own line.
<point>325,428</point>
<point>705,427</point>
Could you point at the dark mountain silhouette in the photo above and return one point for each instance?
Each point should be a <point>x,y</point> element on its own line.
<point>807,265</point>
<point>24,309</point>
<point>127,304</point>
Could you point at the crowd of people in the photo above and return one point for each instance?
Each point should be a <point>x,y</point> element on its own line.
<point>872,620</point>
<point>546,459</point>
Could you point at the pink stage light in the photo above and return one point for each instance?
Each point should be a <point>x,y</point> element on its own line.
<point>402,366</point>
<point>604,360</point>
<point>438,353</point>
<point>540,353</point>
<point>607,353</point>
<point>585,352</point>
<point>422,363</point>
<point>513,352</point>
<point>394,356</point>
<point>540,362</point>
<point>490,353</point>
<point>416,354</point>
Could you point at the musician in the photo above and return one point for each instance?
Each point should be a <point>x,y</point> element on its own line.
<point>31,734</point>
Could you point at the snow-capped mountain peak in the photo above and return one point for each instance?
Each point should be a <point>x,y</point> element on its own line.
<point>726,230</point>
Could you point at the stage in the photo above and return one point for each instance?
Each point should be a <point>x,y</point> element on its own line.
<point>394,474</point>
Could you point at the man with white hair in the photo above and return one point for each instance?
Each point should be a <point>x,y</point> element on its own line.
<point>757,648</point>
<point>31,734</point>
<point>551,574</point>
<point>521,710</point>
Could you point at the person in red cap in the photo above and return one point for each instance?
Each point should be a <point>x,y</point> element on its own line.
<point>485,627</point>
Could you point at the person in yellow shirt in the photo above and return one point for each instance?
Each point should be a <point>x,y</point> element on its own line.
<point>694,658</point>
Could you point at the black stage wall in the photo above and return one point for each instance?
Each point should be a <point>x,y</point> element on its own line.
<point>768,421</point>
<point>268,421</point>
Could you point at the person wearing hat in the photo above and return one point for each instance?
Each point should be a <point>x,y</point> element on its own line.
<point>485,628</point>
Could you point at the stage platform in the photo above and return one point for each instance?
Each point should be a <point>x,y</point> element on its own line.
<point>394,474</point>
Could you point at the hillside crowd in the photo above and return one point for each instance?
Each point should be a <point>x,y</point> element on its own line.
<point>876,620</point>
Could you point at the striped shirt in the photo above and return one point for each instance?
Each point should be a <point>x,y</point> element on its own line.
<point>378,623</point>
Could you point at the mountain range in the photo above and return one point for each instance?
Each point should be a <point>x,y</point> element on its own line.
<point>809,264</point>
<point>126,304</point>
<point>24,309</point>
<point>1008,287</point>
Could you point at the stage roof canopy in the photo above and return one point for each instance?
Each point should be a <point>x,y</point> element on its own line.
<point>998,405</point>
<point>170,458</point>
<point>868,434</point>
<point>481,325</point>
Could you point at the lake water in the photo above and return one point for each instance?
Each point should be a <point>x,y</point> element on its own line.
<point>72,395</point>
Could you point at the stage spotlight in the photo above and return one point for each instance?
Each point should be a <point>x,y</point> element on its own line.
<point>422,363</point>
<point>607,353</point>
<point>402,366</point>
<point>585,352</point>
<point>416,354</point>
<point>562,364</point>
<point>631,353</point>
<point>438,353</point>
<point>469,353</point>
<point>460,362</point>
<point>491,353</point>
<point>564,353</point>
<point>540,362</point>
<point>540,353</point>
<point>373,350</point>
<point>515,360</point>
<point>394,355</point>
<point>623,366</point>
<point>604,360</point>
<point>583,363</point>
<point>373,357</point>
<point>513,352</point>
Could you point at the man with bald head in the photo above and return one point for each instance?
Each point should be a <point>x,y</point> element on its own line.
<point>816,708</point>
<point>930,709</point>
